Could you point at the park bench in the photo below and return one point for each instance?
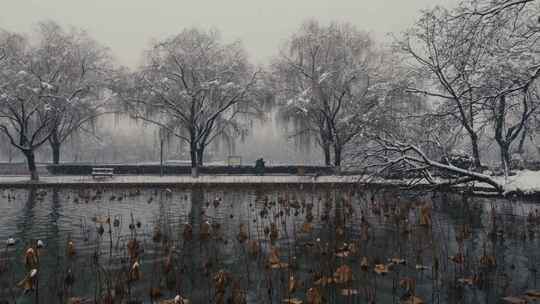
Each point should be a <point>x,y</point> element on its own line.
<point>102,172</point>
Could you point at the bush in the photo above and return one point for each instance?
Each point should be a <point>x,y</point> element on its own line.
<point>517,162</point>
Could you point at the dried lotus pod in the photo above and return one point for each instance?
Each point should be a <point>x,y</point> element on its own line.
<point>27,284</point>
<point>243,234</point>
<point>294,284</point>
<point>253,248</point>
<point>238,295</point>
<point>273,258</point>
<point>274,234</point>
<point>307,227</point>
<point>381,269</point>
<point>205,230</point>
<point>343,274</point>
<point>133,249</point>
<point>188,232</point>
<point>364,264</point>
<point>221,281</point>
<point>71,249</point>
<point>30,258</point>
<point>425,215</point>
<point>135,272</point>
<point>314,296</point>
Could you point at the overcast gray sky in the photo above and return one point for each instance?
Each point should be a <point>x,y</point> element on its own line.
<point>127,26</point>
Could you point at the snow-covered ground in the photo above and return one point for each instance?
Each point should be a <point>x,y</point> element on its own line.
<point>525,181</point>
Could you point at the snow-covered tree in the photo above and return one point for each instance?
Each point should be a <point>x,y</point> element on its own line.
<point>446,52</point>
<point>27,117</point>
<point>510,72</point>
<point>76,70</point>
<point>329,81</point>
<point>477,62</point>
<point>196,87</point>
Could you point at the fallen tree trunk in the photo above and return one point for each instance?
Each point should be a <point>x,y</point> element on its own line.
<point>388,155</point>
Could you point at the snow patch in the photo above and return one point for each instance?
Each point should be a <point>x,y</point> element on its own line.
<point>526,181</point>
<point>47,86</point>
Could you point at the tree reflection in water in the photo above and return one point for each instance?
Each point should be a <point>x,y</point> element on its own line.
<point>267,245</point>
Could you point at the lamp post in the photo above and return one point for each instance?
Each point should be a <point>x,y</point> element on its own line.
<point>162,136</point>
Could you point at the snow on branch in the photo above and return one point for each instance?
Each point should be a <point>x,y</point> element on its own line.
<point>391,158</point>
<point>493,8</point>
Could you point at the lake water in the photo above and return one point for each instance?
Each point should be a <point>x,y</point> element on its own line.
<point>447,248</point>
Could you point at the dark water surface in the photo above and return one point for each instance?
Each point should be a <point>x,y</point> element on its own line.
<point>468,250</point>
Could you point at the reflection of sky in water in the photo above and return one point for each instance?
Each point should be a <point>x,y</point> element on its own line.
<point>58,215</point>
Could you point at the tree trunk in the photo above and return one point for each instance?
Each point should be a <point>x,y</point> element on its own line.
<point>504,140</point>
<point>56,145</point>
<point>505,157</point>
<point>31,161</point>
<point>505,153</point>
<point>476,151</point>
<point>194,163</point>
<point>327,157</point>
<point>508,157</point>
<point>200,154</point>
<point>337,155</point>
<point>521,146</point>
<point>161,157</point>
<point>193,154</point>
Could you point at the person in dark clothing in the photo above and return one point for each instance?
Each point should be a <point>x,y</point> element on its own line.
<point>259,166</point>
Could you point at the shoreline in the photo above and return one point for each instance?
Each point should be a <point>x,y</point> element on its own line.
<point>174,180</point>
<point>186,181</point>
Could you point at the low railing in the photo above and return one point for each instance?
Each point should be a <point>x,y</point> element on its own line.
<point>132,169</point>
